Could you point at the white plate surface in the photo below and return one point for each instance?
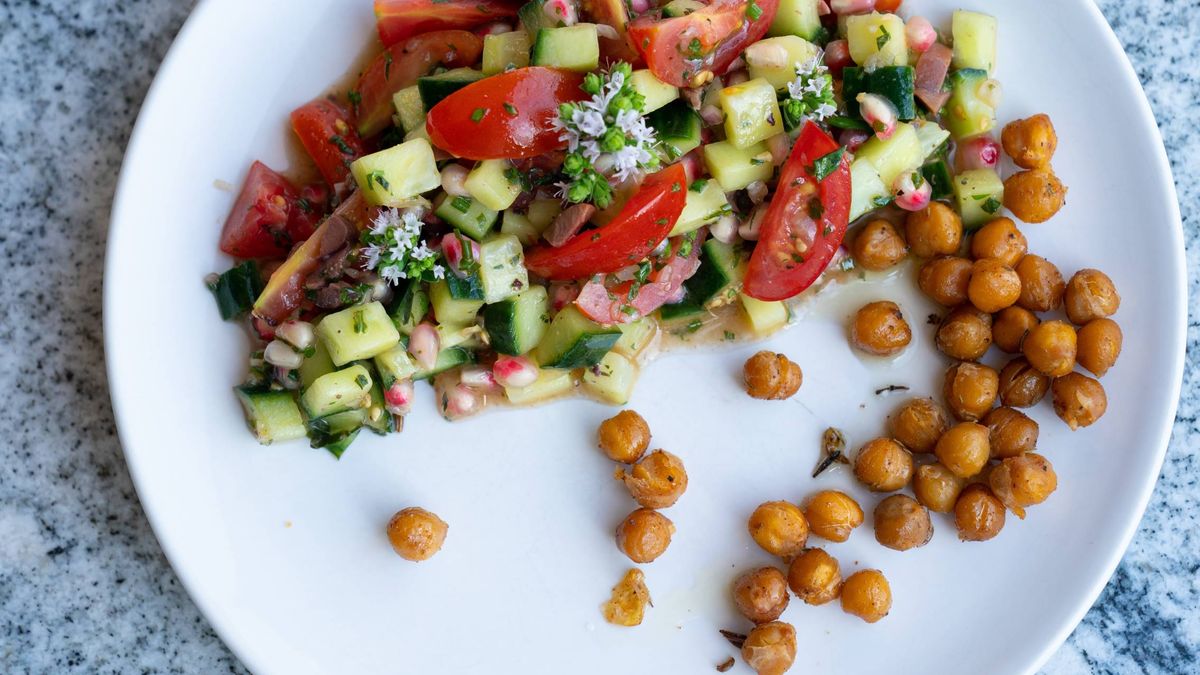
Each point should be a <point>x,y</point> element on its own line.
<point>283,548</point>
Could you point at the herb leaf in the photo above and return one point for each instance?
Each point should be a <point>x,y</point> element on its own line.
<point>823,166</point>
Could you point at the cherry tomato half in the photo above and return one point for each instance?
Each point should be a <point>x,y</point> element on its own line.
<point>680,49</point>
<point>400,19</point>
<point>621,302</point>
<point>805,222</point>
<point>642,224</point>
<point>270,215</point>
<point>325,132</point>
<point>505,116</point>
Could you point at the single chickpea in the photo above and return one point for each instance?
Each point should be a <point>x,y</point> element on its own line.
<point>867,595</point>
<point>964,449</point>
<point>416,534</point>
<point>1090,294</point>
<point>1023,481</point>
<point>919,423</point>
<point>878,246</point>
<point>934,230</point>
<point>1010,326</point>
<point>624,437</point>
<point>771,376</point>
<point>1010,433</point>
<point>627,605</point>
<point>964,334</point>
<point>1050,347</point>
<point>1030,142</point>
<point>1021,385</point>
<point>644,535</point>
<point>970,390</point>
<point>761,595</point>
<point>1099,345</point>
<point>779,528</point>
<point>936,487</point>
<point>832,515</point>
<point>1035,195</point>
<point>999,239</point>
<point>993,285</point>
<point>945,280</point>
<point>657,481</point>
<point>770,649</point>
<point>1042,284</point>
<point>978,515</point>
<point>883,465</point>
<point>880,329</point>
<point>814,577</point>
<point>1078,400</point>
<point>901,523</point>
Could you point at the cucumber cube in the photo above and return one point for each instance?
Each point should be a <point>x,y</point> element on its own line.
<point>504,51</point>
<point>932,137</point>
<point>635,337</point>
<point>574,341</point>
<point>395,364</point>
<point>764,317</point>
<point>877,38</point>
<point>409,307</point>
<point>979,195</point>
<point>358,332</point>
<point>341,390</point>
<point>519,226</point>
<point>966,114</point>
<point>393,176</point>
<point>797,17</point>
<point>734,167</point>
<point>467,215</point>
<point>656,92</point>
<point>974,40</point>
<point>681,7</point>
<point>434,88</point>
<point>550,384</point>
<point>678,128</point>
<point>701,208</point>
<point>449,310</point>
<point>502,268</point>
<point>867,191</point>
<point>517,325</point>
<point>490,185</point>
<point>775,59</point>
<point>899,154</point>
<point>409,108</point>
<point>611,380</point>
<point>542,212</point>
<point>314,366</point>
<point>450,357</point>
<point>572,48</point>
<point>272,415</point>
<point>751,113</point>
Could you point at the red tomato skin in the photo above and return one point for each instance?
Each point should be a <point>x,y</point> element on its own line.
<point>326,132</point>
<point>401,64</point>
<point>887,5</point>
<point>774,273</point>
<point>645,220</point>
<point>258,223</point>
<point>308,210</point>
<point>613,13</point>
<point>400,19</point>
<point>723,32</point>
<point>523,130</point>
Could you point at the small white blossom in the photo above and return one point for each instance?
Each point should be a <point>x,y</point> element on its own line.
<point>811,92</point>
<point>394,248</point>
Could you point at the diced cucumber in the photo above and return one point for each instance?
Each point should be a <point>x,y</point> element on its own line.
<point>395,364</point>
<point>450,335</point>
<point>965,113</point>
<point>895,83</point>
<point>636,336</point>
<point>775,59</point>
<point>336,432</point>
<point>656,92</point>
<point>751,113</point>
<point>272,415</point>
<point>765,317</point>
<point>899,154</point>
<point>542,212</point>
<point>491,185</point>
<point>448,310</point>
<point>721,271</point>
<point>419,133</point>
<point>677,127</point>
<point>672,313</point>
<point>434,88</point>
<point>357,332</point>
<point>974,40</point>
<point>550,384</point>
<point>574,341</point>
<point>867,191</point>
<point>314,366</point>
<point>940,179</point>
<point>798,17</point>
<point>450,357</point>
<point>337,446</point>
<point>506,50</point>
<point>534,18</point>
<point>409,108</point>
<point>409,307</point>
<point>572,48</point>
<point>393,176</point>
<point>517,324</point>
<point>469,287</point>
<point>979,195</point>
<point>877,39</point>
<point>611,380</point>
<point>502,268</point>
<point>701,207</point>
<point>345,389</point>
<point>681,7</point>
<point>466,215</point>
<point>735,168</point>
<point>376,417</point>
<point>933,139</point>
<point>519,226</point>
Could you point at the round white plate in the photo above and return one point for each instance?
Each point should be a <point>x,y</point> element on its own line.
<point>283,548</point>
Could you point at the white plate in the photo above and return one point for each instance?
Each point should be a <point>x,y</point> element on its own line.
<point>283,548</point>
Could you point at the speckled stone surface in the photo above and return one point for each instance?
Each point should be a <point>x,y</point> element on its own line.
<point>84,587</point>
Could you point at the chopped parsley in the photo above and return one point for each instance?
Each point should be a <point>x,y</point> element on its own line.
<point>461,204</point>
<point>510,109</point>
<point>378,178</point>
<point>884,37</point>
<point>823,166</point>
<point>478,114</point>
<point>360,323</point>
<point>341,144</point>
<point>753,11</point>
<point>992,205</point>
<point>698,185</point>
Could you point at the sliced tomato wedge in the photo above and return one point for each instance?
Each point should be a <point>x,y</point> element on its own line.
<point>642,224</point>
<point>401,64</point>
<point>326,132</point>
<point>400,19</point>
<point>270,215</point>
<point>805,222</point>
<point>680,49</point>
<point>505,116</point>
<point>622,302</point>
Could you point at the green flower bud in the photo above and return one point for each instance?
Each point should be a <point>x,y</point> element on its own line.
<point>613,140</point>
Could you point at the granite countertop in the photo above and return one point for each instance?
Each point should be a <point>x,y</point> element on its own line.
<point>84,586</point>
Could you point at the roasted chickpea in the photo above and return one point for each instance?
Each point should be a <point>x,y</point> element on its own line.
<point>1030,142</point>
<point>867,595</point>
<point>970,390</point>
<point>832,515</point>
<point>883,465</point>
<point>978,515</point>
<point>934,230</point>
<point>814,576</point>
<point>761,595</point>
<point>945,280</point>
<point>1042,284</point>
<point>1010,433</point>
<point>1010,326</point>
<point>644,535</point>
<point>416,534</point>
<point>1034,196</point>
<point>964,449</point>
<point>993,285</point>
<point>880,329</point>
<point>1099,345</point>
<point>1090,294</point>
<point>771,376</point>
<point>1023,481</point>
<point>624,437</point>
<point>1078,400</point>
<point>901,523</point>
<point>878,246</point>
<point>657,481</point>
<point>1050,347</point>
<point>1021,385</point>
<point>779,528</point>
<point>965,334</point>
<point>919,423</point>
<point>999,239</point>
<point>770,649</point>
<point>936,487</point>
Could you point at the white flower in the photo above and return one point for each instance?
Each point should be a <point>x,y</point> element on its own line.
<point>393,244</point>
<point>590,122</point>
